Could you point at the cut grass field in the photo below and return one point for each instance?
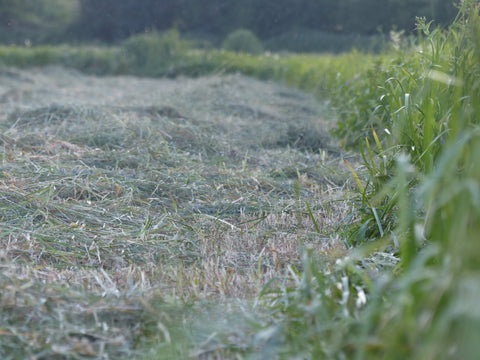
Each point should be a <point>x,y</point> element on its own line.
<point>124,198</point>
<point>215,218</point>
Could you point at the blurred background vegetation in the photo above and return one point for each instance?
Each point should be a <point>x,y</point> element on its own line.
<point>282,25</point>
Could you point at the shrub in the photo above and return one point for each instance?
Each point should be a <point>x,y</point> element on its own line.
<point>152,53</point>
<point>242,40</point>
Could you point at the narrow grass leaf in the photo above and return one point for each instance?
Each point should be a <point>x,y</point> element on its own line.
<point>317,228</point>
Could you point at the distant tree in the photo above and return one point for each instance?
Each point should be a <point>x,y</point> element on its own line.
<point>369,16</point>
<point>443,11</point>
<point>111,20</point>
<point>208,16</point>
<point>35,20</point>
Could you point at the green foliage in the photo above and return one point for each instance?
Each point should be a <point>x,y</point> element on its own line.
<point>153,54</point>
<point>35,21</point>
<point>46,21</point>
<point>243,40</point>
<point>316,319</point>
<point>89,59</point>
<point>419,104</point>
<point>266,18</point>
<point>429,107</point>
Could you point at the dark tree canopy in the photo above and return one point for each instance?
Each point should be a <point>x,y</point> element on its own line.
<point>112,20</point>
<point>37,20</point>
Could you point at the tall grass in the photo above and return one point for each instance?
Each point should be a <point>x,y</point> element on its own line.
<point>420,196</point>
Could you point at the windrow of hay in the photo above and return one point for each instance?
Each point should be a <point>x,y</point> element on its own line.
<point>118,192</point>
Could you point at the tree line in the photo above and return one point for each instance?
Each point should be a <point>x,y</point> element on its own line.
<point>110,19</point>
<point>113,20</point>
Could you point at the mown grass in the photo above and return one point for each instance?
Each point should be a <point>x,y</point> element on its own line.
<point>406,288</point>
<point>114,216</point>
